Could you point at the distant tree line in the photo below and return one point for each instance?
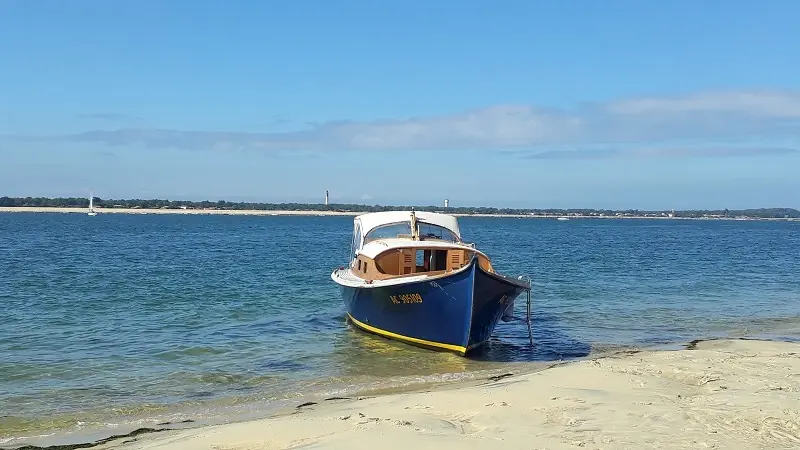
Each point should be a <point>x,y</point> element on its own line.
<point>78,202</point>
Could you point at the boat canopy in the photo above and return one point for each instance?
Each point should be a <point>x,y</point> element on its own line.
<point>370,221</point>
<point>365,223</point>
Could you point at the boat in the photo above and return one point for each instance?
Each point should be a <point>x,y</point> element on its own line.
<point>91,212</point>
<point>562,218</point>
<point>412,278</point>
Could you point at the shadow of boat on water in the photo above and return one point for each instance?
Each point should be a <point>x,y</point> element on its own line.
<point>551,342</point>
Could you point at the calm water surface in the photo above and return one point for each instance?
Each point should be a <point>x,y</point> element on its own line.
<point>122,320</point>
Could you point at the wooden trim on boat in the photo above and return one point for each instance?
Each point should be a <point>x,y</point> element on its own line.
<point>401,262</point>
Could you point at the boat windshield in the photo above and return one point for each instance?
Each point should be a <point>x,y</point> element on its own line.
<point>403,229</point>
<point>428,231</point>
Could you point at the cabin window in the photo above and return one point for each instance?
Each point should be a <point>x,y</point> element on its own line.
<point>356,239</point>
<point>359,264</point>
<point>389,231</point>
<point>428,231</point>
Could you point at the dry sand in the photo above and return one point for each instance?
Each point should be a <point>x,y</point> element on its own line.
<point>727,394</point>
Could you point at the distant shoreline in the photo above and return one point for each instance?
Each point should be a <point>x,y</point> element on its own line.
<point>259,212</point>
<point>239,212</point>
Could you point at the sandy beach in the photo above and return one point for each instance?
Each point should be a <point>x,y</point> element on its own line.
<point>725,394</point>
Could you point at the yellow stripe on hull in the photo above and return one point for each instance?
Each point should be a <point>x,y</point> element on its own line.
<point>454,348</point>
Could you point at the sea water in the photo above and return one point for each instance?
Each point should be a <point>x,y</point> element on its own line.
<point>118,321</point>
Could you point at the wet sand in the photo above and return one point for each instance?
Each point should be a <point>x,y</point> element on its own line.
<point>742,394</point>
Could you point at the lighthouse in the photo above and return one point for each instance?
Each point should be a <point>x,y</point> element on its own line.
<point>326,198</point>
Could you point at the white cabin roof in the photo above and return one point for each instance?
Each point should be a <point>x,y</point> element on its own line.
<point>370,221</point>
<point>374,248</point>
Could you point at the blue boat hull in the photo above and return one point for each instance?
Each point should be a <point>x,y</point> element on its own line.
<point>457,312</point>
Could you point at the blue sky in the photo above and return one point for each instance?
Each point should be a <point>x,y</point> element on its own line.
<point>614,104</point>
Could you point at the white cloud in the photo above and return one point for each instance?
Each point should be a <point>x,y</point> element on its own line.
<point>754,104</point>
<point>110,117</point>
<point>661,152</point>
<point>700,116</point>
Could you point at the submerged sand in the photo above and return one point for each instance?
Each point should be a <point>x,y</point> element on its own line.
<point>726,394</point>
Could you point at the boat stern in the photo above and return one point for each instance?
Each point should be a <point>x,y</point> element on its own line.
<point>493,300</point>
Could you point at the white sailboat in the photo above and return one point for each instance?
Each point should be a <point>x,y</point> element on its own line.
<point>91,212</point>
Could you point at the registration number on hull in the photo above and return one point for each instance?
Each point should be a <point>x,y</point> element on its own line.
<point>405,298</point>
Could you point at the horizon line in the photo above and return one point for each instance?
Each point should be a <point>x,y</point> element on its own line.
<point>179,203</point>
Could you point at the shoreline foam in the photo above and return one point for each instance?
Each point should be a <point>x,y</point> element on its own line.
<point>726,393</point>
